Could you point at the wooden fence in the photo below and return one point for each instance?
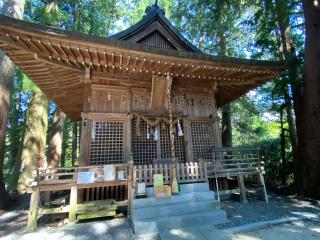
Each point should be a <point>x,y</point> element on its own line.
<point>186,172</point>
<point>234,161</point>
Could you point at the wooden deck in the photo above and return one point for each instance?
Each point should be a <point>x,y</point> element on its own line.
<point>101,198</point>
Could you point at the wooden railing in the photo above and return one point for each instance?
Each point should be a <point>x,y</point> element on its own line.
<point>186,172</point>
<point>232,161</point>
<point>45,176</point>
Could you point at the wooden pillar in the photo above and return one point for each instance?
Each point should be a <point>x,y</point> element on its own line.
<point>33,210</point>
<point>130,185</point>
<point>243,191</point>
<point>128,134</point>
<point>217,133</point>
<point>85,134</point>
<point>188,140</point>
<point>73,203</point>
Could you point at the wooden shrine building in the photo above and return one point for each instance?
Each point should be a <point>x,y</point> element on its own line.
<point>118,87</point>
<point>115,87</point>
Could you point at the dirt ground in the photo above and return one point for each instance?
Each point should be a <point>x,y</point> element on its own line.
<point>301,230</point>
<point>12,223</point>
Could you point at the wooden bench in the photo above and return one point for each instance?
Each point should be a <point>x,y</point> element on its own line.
<point>47,181</point>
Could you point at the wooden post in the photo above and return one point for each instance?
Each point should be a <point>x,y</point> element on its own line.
<point>129,138</point>
<point>188,140</point>
<point>73,203</point>
<point>243,191</point>
<point>264,190</point>
<point>130,184</point>
<point>217,133</point>
<point>84,140</point>
<point>33,210</point>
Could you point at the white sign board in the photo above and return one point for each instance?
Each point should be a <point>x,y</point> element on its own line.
<point>85,177</point>
<point>141,190</point>
<point>109,172</point>
<point>121,175</point>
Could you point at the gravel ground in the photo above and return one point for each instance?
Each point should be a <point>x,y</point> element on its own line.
<point>115,229</point>
<point>12,223</point>
<point>255,211</point>
<point>299,230</point>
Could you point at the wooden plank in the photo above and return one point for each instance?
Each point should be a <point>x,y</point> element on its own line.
<point>96,205</point>
<point>45,211</point>
<point>101,213</point>
<point>151,174</point>
<point>145,174</point>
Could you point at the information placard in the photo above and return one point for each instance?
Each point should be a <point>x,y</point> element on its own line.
<point>85,177</point>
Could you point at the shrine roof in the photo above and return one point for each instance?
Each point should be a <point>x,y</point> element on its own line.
<point>60,61</point>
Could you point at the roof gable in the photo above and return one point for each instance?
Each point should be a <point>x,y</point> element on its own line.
<point>154,29</point>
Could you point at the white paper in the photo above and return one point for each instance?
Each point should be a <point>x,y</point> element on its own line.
<point>141,188</point>
<point>121,175</point>
<point>180,133</point>
<point>156,134</point>
<point>85,177</point>
<point>109,173</point>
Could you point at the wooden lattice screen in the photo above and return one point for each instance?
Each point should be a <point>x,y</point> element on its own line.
<point>157,40</point>
<point>145,151</point>
<point>166,145</point>
<point>202,139</point>
<point>106,144</point>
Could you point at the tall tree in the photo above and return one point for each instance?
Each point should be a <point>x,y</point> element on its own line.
<point>34,140</point>
<point>311,98</point>
<point>277,21</point>
<point>56,136</point>
<point>11,8</point>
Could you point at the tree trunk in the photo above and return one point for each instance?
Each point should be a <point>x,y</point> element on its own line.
<point>56,136</point>
<point>34,140</point>
<point>11,8</point>
<point>311,98</point>
<point>283,149</point>
<point>74,143</point>
<point>226,125</point>
<point>283,15</point>
<point>226,133</point>
<point>65,143</point>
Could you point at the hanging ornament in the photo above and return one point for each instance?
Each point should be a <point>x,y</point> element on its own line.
<point>180,133</point>
<point>151,131</point>
<point>148,134</point>
<point>156,134</point>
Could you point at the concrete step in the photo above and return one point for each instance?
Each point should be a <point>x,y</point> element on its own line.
<point>175,209</point>
<point>176,199</point>
<point>186,188</point>
<point>156,225</point>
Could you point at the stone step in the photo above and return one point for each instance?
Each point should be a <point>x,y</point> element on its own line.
<point>156,225</point>
<point>174,209</point>
<point>186,188</point>
<point>176,199</point>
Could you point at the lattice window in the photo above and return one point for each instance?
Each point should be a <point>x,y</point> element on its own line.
<point>144,150</point>
<point>165,144</point>
<point>157,40</point>
<point>202,139</point>
<point>106,144</point>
